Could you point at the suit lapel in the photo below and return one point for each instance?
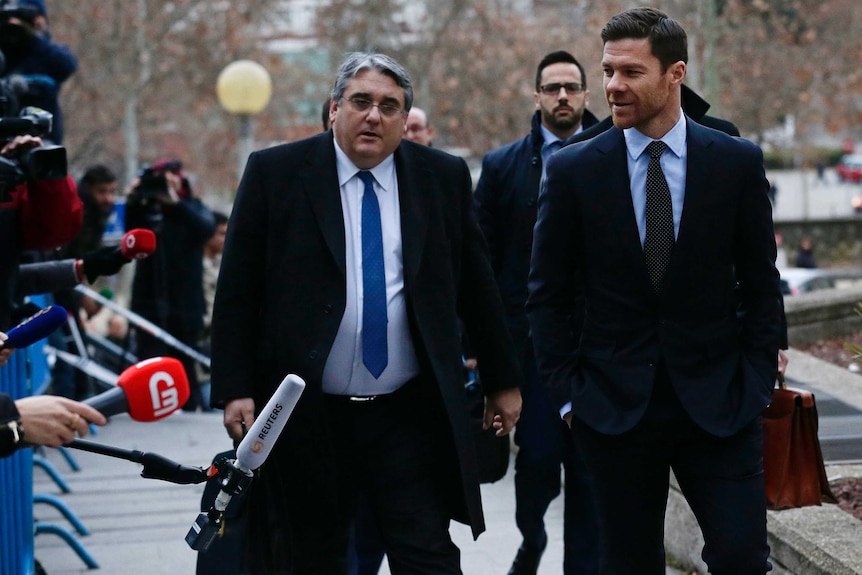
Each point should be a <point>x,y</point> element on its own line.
<point>697,177</point>
<point>320,183</point>
<point>415,192</point>
<point>619,193</point>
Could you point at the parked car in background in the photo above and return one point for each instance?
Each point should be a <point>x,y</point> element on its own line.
<point>849,169</point>
<point>795,281</point>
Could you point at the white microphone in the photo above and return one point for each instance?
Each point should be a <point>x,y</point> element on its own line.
<point>261,437</point>
<point>258,442</point>
<point>252,452</point>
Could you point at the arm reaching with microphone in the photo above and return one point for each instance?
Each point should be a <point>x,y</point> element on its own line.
<point>53,421</point>
<point>135,244</point>
<point>57,275</point>
<point>43,420</point>
<point>38,326</point>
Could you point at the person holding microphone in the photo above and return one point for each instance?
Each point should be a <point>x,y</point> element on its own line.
<point>41,420</point>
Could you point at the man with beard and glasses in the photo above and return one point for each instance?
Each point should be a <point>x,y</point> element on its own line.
<point>505,202</point>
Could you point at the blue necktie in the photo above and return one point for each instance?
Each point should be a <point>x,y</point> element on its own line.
<point>375,355</point>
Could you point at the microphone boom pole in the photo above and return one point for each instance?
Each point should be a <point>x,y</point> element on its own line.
<point>155,465</point>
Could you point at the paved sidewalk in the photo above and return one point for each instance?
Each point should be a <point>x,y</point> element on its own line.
<point>137,526</point>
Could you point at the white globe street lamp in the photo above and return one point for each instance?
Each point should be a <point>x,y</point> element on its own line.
<point>244,88</point>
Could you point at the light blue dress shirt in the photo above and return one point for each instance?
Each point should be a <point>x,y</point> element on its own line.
<point>673,164</point>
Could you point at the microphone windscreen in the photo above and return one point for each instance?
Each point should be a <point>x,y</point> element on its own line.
<point>155,388</point>
<point>39,325</point>
<point>138,244</point>
<point>258,442</point>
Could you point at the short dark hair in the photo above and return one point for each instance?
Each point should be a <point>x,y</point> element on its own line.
<point>98,174</point>
<point>558,57</point>
<point>219,217</point>
<point>668,41</point>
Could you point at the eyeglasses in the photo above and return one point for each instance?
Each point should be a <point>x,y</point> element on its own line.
<point>554,89</point>
<point>363,105</point>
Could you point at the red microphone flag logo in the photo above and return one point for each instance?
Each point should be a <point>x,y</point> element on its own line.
<point>155,388</point>
<point>138,244</point>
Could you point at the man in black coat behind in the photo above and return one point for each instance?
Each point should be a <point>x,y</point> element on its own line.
<point>505,200</point>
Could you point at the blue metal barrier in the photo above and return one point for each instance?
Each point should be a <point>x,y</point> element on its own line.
<point>16,484</point>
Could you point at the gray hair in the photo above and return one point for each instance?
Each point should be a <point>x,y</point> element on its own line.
<point>356,62</point>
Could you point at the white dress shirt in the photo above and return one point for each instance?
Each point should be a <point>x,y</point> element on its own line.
<point>344,372</point>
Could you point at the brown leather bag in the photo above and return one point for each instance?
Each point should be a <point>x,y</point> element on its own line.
<point>792,460</point>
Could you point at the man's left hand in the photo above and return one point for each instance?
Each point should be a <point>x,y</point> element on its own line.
<point>782,361</point>
<point>502,410</point>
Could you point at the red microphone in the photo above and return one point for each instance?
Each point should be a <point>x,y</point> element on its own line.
<point>148,391</point>
<point>138,244</point>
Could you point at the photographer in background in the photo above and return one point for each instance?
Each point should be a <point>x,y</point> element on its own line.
<point>41,64</point>
<point>97,189</point>
<point>37,212</point>
<point>47,420</point>
<point>168,286</point>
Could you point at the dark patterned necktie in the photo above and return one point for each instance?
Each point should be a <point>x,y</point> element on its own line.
<point>659,217</point>
<point>375,355</point>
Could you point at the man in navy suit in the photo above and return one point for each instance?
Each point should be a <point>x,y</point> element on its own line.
<point>351,259</point>
<point>660,231</point>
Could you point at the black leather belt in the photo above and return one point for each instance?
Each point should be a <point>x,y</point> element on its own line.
<point>369,399</point>
<point>355,399</point>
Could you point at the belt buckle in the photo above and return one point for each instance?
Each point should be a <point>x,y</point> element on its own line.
<point>362,399</point>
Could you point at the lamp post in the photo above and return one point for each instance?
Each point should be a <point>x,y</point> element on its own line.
<point>244,88</point>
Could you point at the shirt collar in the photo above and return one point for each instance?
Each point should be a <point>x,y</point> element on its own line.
<point>548,137</point>
<point>383,172</point>
<point>636,142</point>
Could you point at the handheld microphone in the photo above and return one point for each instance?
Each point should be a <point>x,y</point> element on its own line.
<point>38,326</point>
<point>251,454</point>
<point>148,391</point>
<point>258,442</point>
<point>138,244</point>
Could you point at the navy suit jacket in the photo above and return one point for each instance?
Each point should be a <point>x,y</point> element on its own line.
<point>505,200</point>
<point>718,340</point>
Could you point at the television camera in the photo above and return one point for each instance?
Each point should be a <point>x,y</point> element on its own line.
<point>42,163</point>
<point>150,194</point>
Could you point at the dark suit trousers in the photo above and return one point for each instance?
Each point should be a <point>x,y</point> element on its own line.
<point>721,478</point>
<point>398,449</point>
<point>543,444</point>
